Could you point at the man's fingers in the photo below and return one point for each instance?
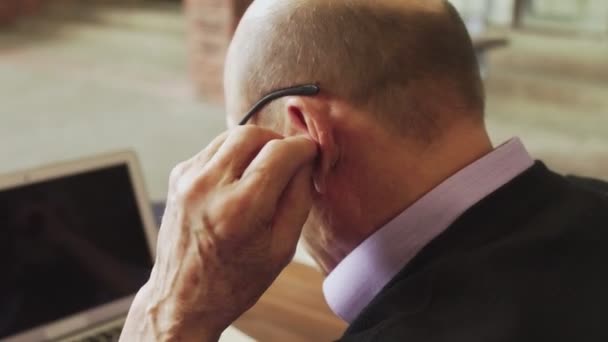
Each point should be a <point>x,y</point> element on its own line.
<point>196,162</point>
<point>273,169</point>
<point>240,147</point>
<point>292,211</point>
<point>208,152</point>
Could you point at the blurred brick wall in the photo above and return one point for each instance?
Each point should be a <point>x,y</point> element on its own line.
<point>211,24</point>
<point>11,10</point>
<point>8,11</point>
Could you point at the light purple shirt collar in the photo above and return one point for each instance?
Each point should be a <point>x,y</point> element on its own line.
<point>359,277</point>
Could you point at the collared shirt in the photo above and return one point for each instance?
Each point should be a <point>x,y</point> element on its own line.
<point>359,277</point>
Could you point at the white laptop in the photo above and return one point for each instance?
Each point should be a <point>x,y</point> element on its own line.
<point>77,241</point>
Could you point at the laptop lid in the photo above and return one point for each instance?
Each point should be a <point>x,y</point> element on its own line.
<point>77,241</point>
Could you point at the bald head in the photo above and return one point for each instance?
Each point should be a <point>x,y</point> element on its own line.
<point>410,63</point>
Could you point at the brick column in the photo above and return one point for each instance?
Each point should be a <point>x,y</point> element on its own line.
<point>211,24</point>
<point>11,10</point>
<point>30,6</point>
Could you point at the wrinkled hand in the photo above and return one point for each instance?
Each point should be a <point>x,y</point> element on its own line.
<point>234,215</point>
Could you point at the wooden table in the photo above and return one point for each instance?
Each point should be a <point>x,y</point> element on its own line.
<point>293,310</point>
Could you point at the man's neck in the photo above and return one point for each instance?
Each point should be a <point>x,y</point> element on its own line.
<point>383,179</point>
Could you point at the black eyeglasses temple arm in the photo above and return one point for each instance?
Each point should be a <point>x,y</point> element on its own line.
<point>303,90</point>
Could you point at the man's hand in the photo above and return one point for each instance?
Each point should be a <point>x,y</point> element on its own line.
<point>234,215</point>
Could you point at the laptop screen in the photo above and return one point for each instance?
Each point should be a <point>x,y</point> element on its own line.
<point>68,245</point>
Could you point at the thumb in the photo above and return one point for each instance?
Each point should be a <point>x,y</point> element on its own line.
<point>292,211</point>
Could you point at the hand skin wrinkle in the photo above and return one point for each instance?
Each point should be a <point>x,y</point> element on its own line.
<point>217,249</point>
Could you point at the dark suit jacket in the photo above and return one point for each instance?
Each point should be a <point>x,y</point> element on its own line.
<point>527,263</point>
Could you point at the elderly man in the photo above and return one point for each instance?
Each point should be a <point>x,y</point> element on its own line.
<point>374,150</point>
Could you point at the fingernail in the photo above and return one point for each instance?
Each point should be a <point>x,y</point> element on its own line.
<point>318,185</point>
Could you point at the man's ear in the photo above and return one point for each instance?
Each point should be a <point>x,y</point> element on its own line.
<point>311,116</point>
